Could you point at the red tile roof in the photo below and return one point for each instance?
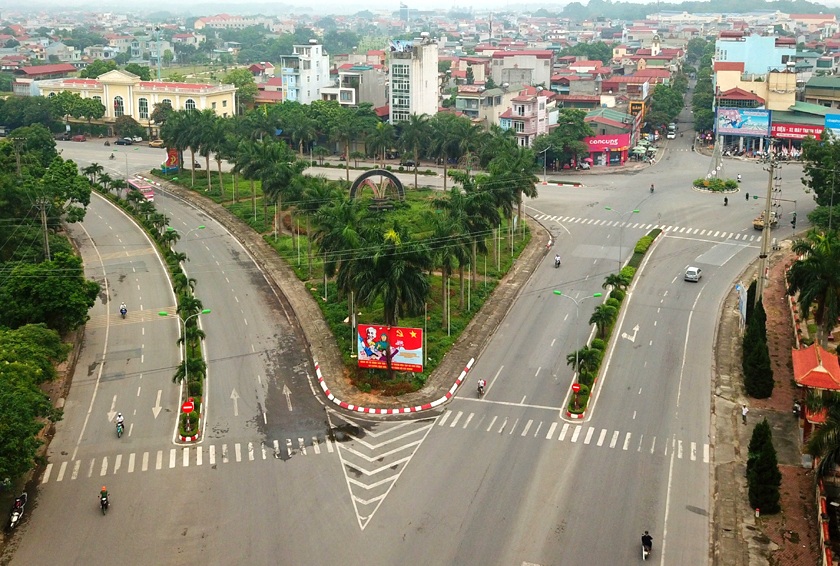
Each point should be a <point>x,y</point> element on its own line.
<point>537,54</point>
<point>815,367</point>
<point>383,111</point>
<point>269,95</point>
<point>729,66</point>
<point>152,84</point>
<point>740,94</point>
<point>658,73</point>
<point>47,69</point>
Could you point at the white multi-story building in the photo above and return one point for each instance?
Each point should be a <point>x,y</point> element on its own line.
<point>414,78</point>
<point>305,72</point>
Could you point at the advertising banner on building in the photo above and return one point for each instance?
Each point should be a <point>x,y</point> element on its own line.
<point>603,143</point>
<point>743,122</point>
<point>832,122</point>
<point>405,345</point>
<point>795,132</point>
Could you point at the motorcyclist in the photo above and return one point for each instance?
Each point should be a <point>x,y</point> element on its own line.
<point>104,494</point>
<point>725,201</point>
<point>481,385</point>
<point>651,187</point>
<point>111,156</point>
<point>739,177</point>
<point>557,259</point>
<point>647,541</point>
<point>20,501</point>
<point>123,309</point>
<point>119,420</point>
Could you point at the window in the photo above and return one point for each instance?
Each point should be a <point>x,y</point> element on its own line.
<point>166,101</point>
<point>119,106</point>
<point>143,106</point>
<point>52,94</point>
<point>97,98</point>
<point>519,127</point>
<point>189,104</point>
<point>214,106</point>
<point>224,103</point>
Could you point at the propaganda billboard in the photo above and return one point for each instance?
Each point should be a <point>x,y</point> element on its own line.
<point>405,345</point>
<point>743,122</point>
<point>171,163</point>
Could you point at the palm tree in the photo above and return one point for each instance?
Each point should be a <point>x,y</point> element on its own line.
<point>105,180</point>
<point>135,198</point>
<point>824,442</point>
<point>515,170</point>
<point>304,133</point>
<point>196,367</point>
<point>480,212</point>
<point>170,237</point>
<point>207,133</point>
<point>92,171</point>
<point>496,142</point>
<point>183,285</point>
<point>246,165</point>
<point>317,192</point>
<point>392,271</point>
<point>414,135</point>
<point>444,140</point>
<point>381,140</point>
<point>276,166</point>
<point>616,281</point>
<point>188,306</point>
<point>603,316</point>
<point>338,233</point>
<point>223,146</point>
<point>320,152</point>
<point>816,277</point>
<point>446,239</point>
<point>192,335</point>
<point>584,361</point>
<point>343,131</point>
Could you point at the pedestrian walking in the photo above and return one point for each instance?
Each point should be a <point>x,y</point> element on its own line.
<point>748,196</point>
<point>744,411</point>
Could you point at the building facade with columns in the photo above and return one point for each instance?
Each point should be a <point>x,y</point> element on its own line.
<point>124,94</point>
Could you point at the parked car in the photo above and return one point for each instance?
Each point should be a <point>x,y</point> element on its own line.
<point>407,163</point>
<point>79,138</point>
<point>693,274</point>
<point>62,137</point>
<point>137,139</point>
<point>156,143</point>
<point>124,141</point>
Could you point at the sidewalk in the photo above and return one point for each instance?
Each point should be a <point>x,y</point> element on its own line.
<point>738,537</point>
<point>305,315</point>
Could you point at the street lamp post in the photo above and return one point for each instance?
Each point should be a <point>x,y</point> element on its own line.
<point>171,229</point>
<point>184,323</point>
<point>577,312</point>
<point>620,229</point>
<point>545,162</point>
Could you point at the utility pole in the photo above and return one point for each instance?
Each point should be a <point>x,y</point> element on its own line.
<point>17,142</point>
<point>765,232</point>
<point>43,203</point>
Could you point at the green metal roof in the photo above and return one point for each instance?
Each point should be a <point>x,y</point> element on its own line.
<point>823,82</point>
<point>808,108</point>
<point>609,114</point>
<point>797,118</point>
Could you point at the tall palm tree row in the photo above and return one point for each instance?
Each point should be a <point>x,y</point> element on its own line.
<point>816,279</point>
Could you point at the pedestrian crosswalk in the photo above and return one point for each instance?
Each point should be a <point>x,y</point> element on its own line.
<point>186,456</point>
<point>670,230</point>
<point>582,434</point>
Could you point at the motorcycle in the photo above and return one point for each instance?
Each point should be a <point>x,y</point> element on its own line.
<point>108,144</point>
<point>739,178</point>
<point>119,430</point>
<point>480,391</point>
<point>17,511</point>
<point>651,188</point>
<point>103,503</point>
<point>725,201</point>
<point>797,407</point>
<point>122,312</point>
<point>556,262</point>
<point>645,552</point>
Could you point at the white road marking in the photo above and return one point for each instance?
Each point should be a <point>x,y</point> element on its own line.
<point>145,464</point>
<point>289,448</point>
<point>173,455</point>
<point>117,463</point>
<point>78,464</point>
<point>551,430</point>
<point>552,342</point>
<point>614,439</point>
<point>212,455</point>
<point>626,441</point>
<point>90,468</point>
<point>469,418</point>
<point>491,424</point>
<point>589,432</point>
<point>329,445</point>
<point>302,446</point>
<point>516,422</point>
<point>237,448</point>
<point>104,469</point>
<point>563,431</point>
<point>224,454</point>
<point>503,426</point>
<point>47,473</point>
<point>705,453</point>
<point>601,437</point>
<point>527,427</point>
<point>693,451</point>
<point>199,454</point>
<point>679,449</point>
<point>186,457</point>
<point>537,432</point>
<point>576,433</point>
<point>456,419</point>
<point>538,371</point>
<point>443,417</point>
<point>315,445</point>
<point>251,451</point>
<point>61,471</point>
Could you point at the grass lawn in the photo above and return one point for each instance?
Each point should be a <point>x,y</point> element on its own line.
<point>413,214</point>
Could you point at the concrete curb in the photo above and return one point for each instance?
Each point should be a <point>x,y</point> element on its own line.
<point>415,409</point>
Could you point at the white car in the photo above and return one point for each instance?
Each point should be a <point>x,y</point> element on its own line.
<point>693,274</point>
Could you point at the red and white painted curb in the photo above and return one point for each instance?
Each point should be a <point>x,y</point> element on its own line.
<point>194,437</point>
<point>415,409</point>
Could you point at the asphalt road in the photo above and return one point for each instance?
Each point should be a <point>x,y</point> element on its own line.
<point>501,480</point>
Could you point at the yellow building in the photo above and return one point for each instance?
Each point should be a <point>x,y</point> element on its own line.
<point>124,93</point>
<point>778,89</point>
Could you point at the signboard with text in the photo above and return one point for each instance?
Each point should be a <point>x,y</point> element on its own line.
<point>832,122</point>
<point>602,143</point>
<point>743,122</point>
<point>404,344</point>
<point>795,132</point>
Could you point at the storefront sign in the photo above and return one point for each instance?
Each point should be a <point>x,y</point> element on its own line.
<point>832,122</point>
<point>604,143</point>
<point>794,132</point>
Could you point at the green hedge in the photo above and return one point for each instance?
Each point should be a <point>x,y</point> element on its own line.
<point>629,271</point>
<point>598,344</point>
<point>618,294</point>
<point>582,399</point>
<point>716,185</point>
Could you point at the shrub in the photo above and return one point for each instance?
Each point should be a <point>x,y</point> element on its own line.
<point>194,389</point>
<point>587,379</point>
<point>643,244</point>
<point>629,271</point>
<point>429,172</point>
<point>761,435</point>
<point>730,185</point>
<point>598,344</point>
<point>401,168</point>
<point>193,421</point>
<point>618,294</point>
<point>615,303</point>
<point>582,400</point>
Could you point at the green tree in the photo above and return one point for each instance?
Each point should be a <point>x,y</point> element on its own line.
<point>39,143</point>
<point>764,480</point>
<point>141,71</point>
<point>97,68</point>
<point>616,281</point>
<point>603,316</point>
<point>246,87</point>
<point>413,136</point>
<point>758,372</point>
<point>343,130</point>
<point>127,127</point>
<point>381,140</point>
<point>761,435</point>
<point>588,361</point>
<point>91,109</point>
<point>53,292</point>
<point>168,57</point>
<point>515,170</point>
<point>470,76</point>
<point>67,190</point>
<point>161,112</point>
<point>815,277</point>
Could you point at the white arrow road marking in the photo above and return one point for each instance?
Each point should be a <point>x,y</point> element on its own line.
<point>157,407</point>
<point>235,396</point>
<point>633,337</point>
<point>113,413</point>
<point>288,393</point>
